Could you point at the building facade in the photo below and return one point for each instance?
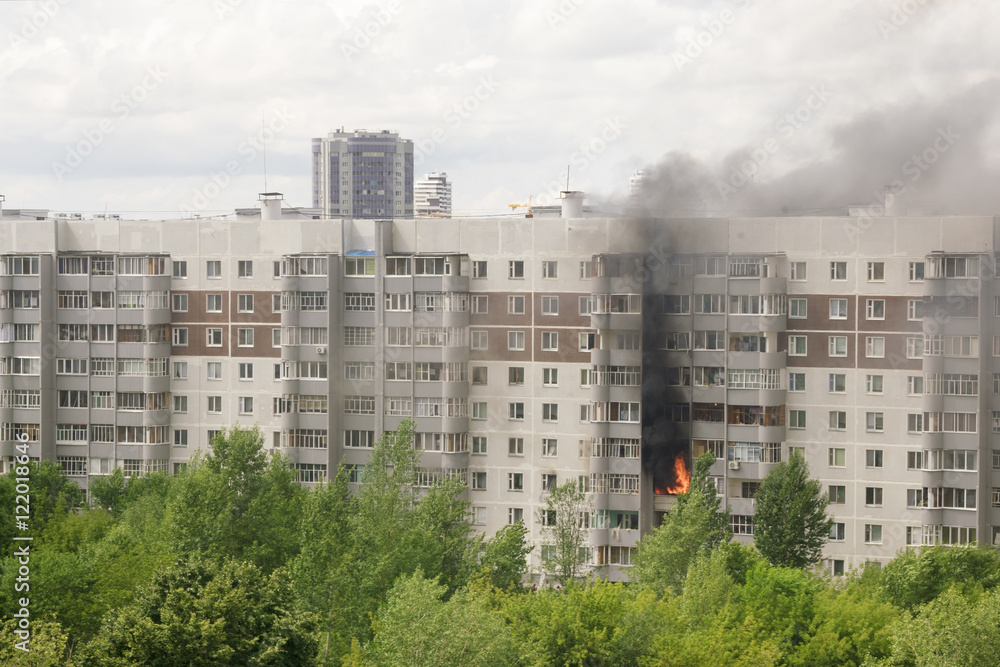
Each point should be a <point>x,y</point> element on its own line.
<point>605,351</point>
<point>363,174</point>
<point>432,196</point>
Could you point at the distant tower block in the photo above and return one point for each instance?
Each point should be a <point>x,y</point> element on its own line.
<point>432,196</point>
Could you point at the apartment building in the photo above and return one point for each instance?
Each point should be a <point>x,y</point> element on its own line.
<point>432,196</point>
<point>363,174</point>
<point>529,353</point>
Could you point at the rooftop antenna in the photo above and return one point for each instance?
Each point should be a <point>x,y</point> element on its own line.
<point>2,200</point>
<point>567,178</point>
<point>263,136</point>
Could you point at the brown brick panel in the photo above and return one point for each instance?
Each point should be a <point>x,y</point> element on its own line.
<point>818,313</point>
<point>569,310</point>
<point>817,350</point>
<point>497,345</point>
<point>497,310</point>
<point>262,313</point>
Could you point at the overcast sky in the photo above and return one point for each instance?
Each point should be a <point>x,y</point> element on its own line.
<point>154,107</point>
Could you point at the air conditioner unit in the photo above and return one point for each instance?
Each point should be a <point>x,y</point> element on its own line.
<point>734,465</point>
<point>320,350</point>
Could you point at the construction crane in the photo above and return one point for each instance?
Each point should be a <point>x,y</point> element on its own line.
<point>528,213</point>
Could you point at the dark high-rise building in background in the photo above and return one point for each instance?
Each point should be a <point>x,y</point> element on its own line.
<point>363,174</point>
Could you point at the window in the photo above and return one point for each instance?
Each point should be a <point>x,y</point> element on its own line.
<point>245,405</point>
<point>515,411</point>
<point>586,270</point>
<point>359,439</point>
<point>515,340</point>
<point>361,336</point>
<point>915,423</point>
<point>741,524</point>
<point>875,346</point>
<point>244,268</point>
<point>214,405</point>
<point>838,309</point>
<point>180,268</point>
<point>627,341</point>
<point>480,303</point>
<point>515,269</point>
<point>550,377</point>
<point>837,457</point>
<point>838,495</point>
<point>873,496</point>
<point>479,411</point>
<point>915,385</point>
<point>275,303</point>
<point>180,336</point>
<point>180,303</point>
<point>873,458</point>
<point>797,346</point>
<point>479,269</point>
<point>550,446</point>
<point>29,366</point>
<point>584,305</point>
<point>550,412</point>
<point>679,304</point>
<point>550,341</point>
<point>914,347</point>
<point>916,272</point>
<point>873,384</point>
<point>478,481</point>
<point>837,532</point>
<point>797,271</point>
<point>709,303</point>
<point>838,383</point>
<point>515,305</point>
<point>180,370</point>
<point>213,303</point>
<point>180,435</point>
<point>213,337</point>
<point>838,346</point>
<point>245,337</point>
<point>214,370</point>
<point>915,460</point>
<point>796,419</point>
<point>550,269</point>
<point>875,309</point>
<point>515,515</point>
<point>838,270</point>
<point>480,340</point>
<point>213,269</point>
<point>588,341</point>
<point>480,375</point>
<point>74,299</point>
<point>515,481</point>
<point>479,444</point>
<point>246,371</point>
<point>873,533</point>
<point>515,446</point>
<point>873,422</point>
<point>914,309</point>
<point>515,375</point>
<point>360,266</point>
<point>550,305</point>
<point>798,308</point>
<point>244,303</point>
<point>838,420</point>
<point>876,272</point>
<point>796,382</point>
<point>916,497</point>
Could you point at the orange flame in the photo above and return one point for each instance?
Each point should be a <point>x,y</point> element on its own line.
<point>682,476</point>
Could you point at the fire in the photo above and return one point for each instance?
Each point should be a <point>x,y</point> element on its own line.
<point>681,475</point>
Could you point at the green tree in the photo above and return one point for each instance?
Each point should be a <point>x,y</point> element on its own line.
<point>504,557</point>
<point>694,526</point>
<point>47,646</point>
<point>564,531</point>
<point>415,627</point>
<point>914,578</point>
<point>790,522</point>
<point>51,496</point>
<point>952,630</point>
<point>236,502</point>
<point>201,613</point>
